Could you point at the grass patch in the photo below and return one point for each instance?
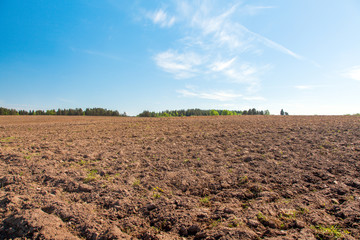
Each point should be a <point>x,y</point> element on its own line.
<point>7,139</point>
<point>332,232</point>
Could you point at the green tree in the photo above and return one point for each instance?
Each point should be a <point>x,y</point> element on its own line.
<point>145,113</point>
<point>165,114</point>
<point>50,112</point>
<point>214,113</point>
<point>226,112</point>
<point>282,112</point>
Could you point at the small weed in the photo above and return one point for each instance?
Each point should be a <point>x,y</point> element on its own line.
<point>234,223</point>
<point>158,189</point>
<point>27,157</point>
<point>285,200</point>
<point>261,217</point>
<point>244,180</point>
<point>205,200</point>
<point>157,230</point>
<point>290,214</point>
<point>302,210</point>
<point>156,195</point>
<point>215,223</point>
<point>350,198</point>
<point>91,176</point>
<point>157,192</point>
<point>186,160</point>
<point>108,177</point>
<point>83,162</point>
<point>136,183</point>
<point>245,205</point>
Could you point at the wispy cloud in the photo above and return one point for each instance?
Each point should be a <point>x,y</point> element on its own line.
<point>182,65</point>
<point>218,95</point>
<point>275,45</point>
<point>253,9</point>
<point>215,47</point>
<point>191,64</point>
<point>224,30</point>
<point>222,65</point>
<point>161,18</point>
<point>214,44</point>
<point>352,73</point>
<point>212,94</point>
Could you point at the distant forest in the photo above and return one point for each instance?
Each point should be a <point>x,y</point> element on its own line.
<point>64,112</point>
<point>199,112</point>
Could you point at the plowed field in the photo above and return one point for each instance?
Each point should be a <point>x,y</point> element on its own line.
<point>238,177</point>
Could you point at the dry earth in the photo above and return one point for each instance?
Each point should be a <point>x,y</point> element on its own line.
<point>240,177</point>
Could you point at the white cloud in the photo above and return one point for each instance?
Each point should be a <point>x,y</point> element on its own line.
<point>191,64</point>
<point>352,73</point>
<point>242,73</point>
<point>182,65</point>
<point>276,46</point>
<point>213,43</point>
<point>215,46</point>
<point>224,30</point>
<point>221,65</point>
<point>161,18</point>
<point>219,95</point>
<point>211,95</point>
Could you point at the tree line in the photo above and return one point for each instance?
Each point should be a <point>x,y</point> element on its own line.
<point>64,112</point>
<point>199,112</point>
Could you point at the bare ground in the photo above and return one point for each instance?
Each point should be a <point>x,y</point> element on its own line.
<point>240,177</point>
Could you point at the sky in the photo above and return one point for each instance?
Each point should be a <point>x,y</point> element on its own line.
<point>302,56</point>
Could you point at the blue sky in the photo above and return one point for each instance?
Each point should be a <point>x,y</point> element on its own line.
<point>300,55</point>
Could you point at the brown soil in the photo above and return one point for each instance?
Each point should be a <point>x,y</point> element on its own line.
<point>240,177</point>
